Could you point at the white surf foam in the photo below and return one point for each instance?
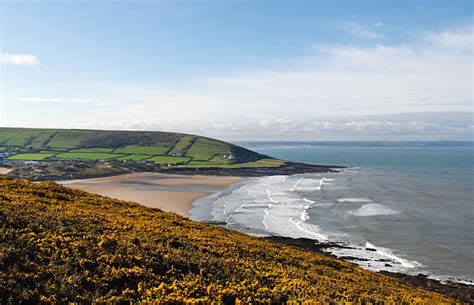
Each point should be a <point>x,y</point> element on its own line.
<point>353,200</point>
<point>270,196</point>
<point>389,254</point>
<point>304,214</point>
<point>377,258</point>
<point>373,209</point>
<point>311,230</point>
<point>277,206</point>
<point>296,185</point>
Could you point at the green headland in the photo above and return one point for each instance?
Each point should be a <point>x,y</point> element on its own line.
<point>73,153</point>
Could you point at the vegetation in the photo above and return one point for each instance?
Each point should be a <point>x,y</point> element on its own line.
<point>50,151</point>
<point>108,138</point>
<point>220,159</point>
<point>134,157</point>
<point>134,146</point>
<point>30,157</point>
<point>147,150</point>
<point>183,144</point>
<point>7,133</point>
<point>95,149</point>
<point>91,156</point>
<point>168,159</point>
<point>205,149</point>
<point>59,245</point>
<point>63,154</point>
<point>43,138</point>
<point>71,169</point>
<point>23,138</point>
<point>263,163</point>
<point>67,138</point>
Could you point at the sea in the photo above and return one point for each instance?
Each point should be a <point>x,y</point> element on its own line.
<point>404,207</point>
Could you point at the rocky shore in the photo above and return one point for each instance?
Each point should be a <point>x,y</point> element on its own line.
<point>290,168</point>
<point>69,170</point>
<point>462,292</point>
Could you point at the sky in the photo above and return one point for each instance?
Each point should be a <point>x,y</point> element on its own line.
<point>241,70</point>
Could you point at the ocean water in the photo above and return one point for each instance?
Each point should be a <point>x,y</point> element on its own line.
<point>400,207</point>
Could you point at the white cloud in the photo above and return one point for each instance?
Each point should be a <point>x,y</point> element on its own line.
<point>19,59</point>
<point>61,100</point>
<point>336,80</point>
<point>378,24</point>
<point>358,30</point>
<point>409,126</point>
<point>460,38</point>
<point>303,97</point>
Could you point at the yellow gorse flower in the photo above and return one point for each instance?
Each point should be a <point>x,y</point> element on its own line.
<point>63,246</point>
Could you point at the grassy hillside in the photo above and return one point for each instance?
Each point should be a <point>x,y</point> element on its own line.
<point>59,245</point>
<point>158,147</point>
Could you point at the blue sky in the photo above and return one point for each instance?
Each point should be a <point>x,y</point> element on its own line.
<point>241,70</point>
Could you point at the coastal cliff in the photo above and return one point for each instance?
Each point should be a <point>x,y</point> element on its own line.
<point>60,245</point>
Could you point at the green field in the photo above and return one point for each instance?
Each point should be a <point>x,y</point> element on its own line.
<point>90,156</point>
<point>215,161</point>
<point>168,159</point>
<point>42,138</point>
<point>7,134</point>
<point>205,149</point>
<point>183,144</point>
<point>23,138</point>
<point>262,163</point>
<point>67,138</point>
<point>256,164</point>
<point>30,157</point>
<point>50,151</point>
<point>134,157</point>
<point>156,146</point>
<point>88,150</point>
<point>192,163</point>
<point>220,160</point>
<point>147,150</point>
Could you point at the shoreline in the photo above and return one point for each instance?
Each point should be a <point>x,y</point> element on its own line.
<point>290,168</point>
<point>5,170</point>
<point>168,192</point>
<point>185,190</point>
<point>74,170</point>
<point>460,291</point>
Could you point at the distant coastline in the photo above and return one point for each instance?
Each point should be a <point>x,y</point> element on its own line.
<point>58,154</point>
<point>438,143</point>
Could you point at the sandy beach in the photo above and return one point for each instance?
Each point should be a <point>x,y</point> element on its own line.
<point>5,170</point>
<point>172,193</point>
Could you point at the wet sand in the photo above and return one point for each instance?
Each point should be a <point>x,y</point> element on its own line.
<point>171,193</point>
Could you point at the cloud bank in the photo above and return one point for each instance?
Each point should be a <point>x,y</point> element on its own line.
<point>19,59</point>
<point>433,73</point>
<point>406,126</point>
<point>338,92</point>
<point>61,100</point>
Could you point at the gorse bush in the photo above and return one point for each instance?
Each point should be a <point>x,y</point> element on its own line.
<point>59,245</point>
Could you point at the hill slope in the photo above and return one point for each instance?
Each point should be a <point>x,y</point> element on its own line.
<point>122,143</point>
<point>61,245</point>
<point>52,154</point>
